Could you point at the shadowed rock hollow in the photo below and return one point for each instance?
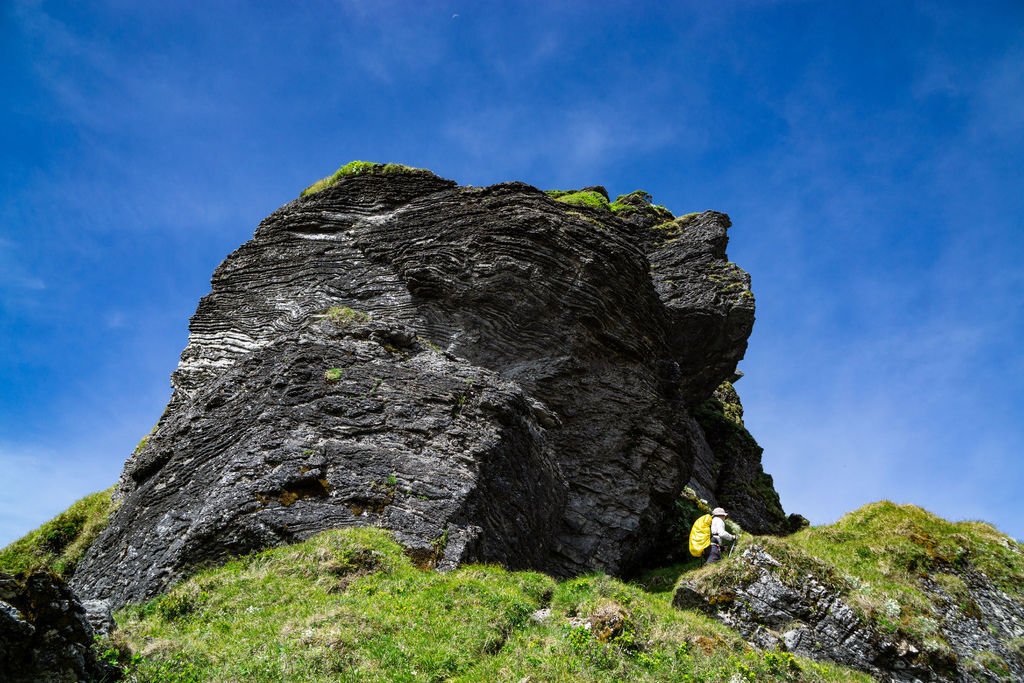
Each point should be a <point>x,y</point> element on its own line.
<point>493,374</point>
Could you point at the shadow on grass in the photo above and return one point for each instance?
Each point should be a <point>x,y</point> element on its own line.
<point>664,579</point>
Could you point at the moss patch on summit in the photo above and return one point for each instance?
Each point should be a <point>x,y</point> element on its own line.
<point>59,544</point>
<point>354,168</point>
<point>590,198</point>
<point>639,201</point>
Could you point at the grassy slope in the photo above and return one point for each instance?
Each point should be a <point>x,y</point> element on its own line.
<point>60,543</point>
<point>348,605</point>
<point>883,549</point>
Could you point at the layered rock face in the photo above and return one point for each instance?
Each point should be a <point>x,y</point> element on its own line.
<point>492,374</point>
<point>733,476</point>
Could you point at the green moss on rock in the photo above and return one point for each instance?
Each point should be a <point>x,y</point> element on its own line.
<point>343,315</point>
<point>354,168</point>
<point>590,198</point>
<point>640,203</point>
<point>743,487</point>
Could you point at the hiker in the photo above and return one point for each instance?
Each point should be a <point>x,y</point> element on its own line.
<point>713,553</point>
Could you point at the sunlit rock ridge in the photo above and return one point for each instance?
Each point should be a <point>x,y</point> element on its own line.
<point>496,374</point>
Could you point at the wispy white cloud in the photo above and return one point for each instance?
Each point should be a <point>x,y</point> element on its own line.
<point>19,286</point>
<point>578,144</point>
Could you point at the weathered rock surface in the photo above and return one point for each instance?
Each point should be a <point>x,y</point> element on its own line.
<point>552,428</point>
<point>731,474</point>
<point>807,613</point>
<point>44,634</point>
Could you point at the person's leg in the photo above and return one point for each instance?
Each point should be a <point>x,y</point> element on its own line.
<point>716,553</point>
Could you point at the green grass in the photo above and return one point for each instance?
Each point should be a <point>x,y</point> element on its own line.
<point>673,227</point>
<point>639,201</point>
<point>884,549</point>
<point>354,168</point>
<point>343,315</point>
<point>348,605</point>
<point>59,544</point>
<point>594,200</point>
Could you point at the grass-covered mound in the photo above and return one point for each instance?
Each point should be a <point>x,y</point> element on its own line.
<point>354,168</point>
<point>640,202</point>
<point>884,550</point>
<point>59,544</point>
<point>637,202</point>
<point>348,605</point>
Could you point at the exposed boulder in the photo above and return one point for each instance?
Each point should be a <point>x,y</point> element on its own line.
<point>45,636</point>
<point>494,374</point>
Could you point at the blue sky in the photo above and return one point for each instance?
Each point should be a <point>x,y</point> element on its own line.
<point>871,155</point>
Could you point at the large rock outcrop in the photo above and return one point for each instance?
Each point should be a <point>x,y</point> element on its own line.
<point>491,373</point>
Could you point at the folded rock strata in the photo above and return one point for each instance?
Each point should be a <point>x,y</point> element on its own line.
<point>493,374</point>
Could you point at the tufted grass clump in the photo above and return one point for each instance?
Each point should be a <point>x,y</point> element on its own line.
<point>343,315</point>
<point>59,544</point>
<point>354,168</point>
<point>350,605</point>
<point>639,201</point>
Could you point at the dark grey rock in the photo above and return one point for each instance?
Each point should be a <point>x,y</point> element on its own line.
<point>44,634</point>
<point>513,386</point>
<point>730,474</point>
<point>99,616</point>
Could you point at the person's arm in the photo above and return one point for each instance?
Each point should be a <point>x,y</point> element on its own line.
<point>718,529</point>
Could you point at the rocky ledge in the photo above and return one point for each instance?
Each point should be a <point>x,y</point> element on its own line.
<point>494,373</point>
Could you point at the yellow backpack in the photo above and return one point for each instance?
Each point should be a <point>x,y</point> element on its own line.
<point>700,535</point>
